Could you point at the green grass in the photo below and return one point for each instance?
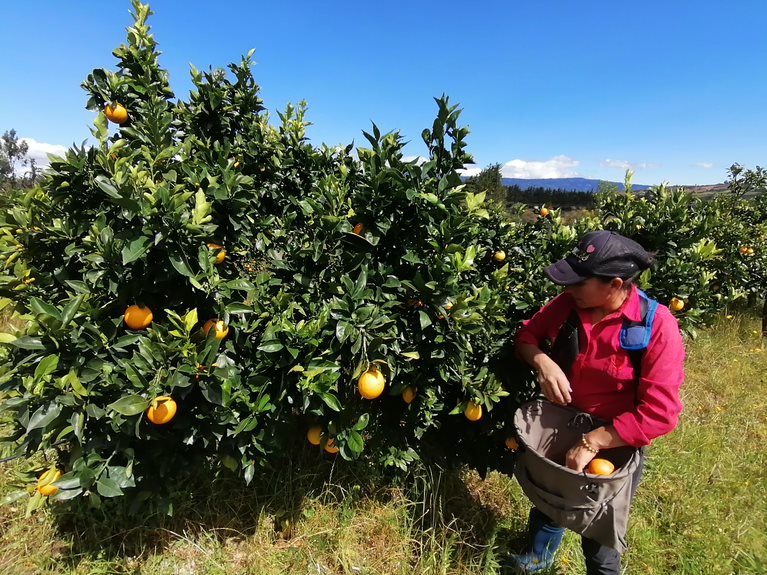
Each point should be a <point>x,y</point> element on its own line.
<point>701,509</point>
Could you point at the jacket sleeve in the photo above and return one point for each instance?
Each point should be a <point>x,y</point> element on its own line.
<point>546,322</point>
<point>658,403</point>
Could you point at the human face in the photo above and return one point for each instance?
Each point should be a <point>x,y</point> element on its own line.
<point>594,293</point>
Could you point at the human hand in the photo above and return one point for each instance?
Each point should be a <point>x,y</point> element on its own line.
<point>554,383</point>
<point>578,457</point>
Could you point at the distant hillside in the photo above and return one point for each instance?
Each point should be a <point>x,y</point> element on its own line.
<point>567,184</point>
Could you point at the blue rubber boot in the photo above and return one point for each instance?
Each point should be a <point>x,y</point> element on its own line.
<point>545,538</point>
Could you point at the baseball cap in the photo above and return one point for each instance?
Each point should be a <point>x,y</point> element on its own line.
<point>601,253</point>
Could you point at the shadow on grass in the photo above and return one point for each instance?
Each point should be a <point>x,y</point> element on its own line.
<point>221,507</point>
<point>447,508</point>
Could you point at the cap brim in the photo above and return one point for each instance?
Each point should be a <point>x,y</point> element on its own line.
<point>562,273</point>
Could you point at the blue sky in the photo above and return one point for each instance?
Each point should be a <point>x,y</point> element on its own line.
<point>674,89</point>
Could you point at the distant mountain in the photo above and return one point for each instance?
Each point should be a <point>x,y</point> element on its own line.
<point>567,184</point>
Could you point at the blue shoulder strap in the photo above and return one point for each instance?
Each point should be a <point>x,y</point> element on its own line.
<point>636,335</point>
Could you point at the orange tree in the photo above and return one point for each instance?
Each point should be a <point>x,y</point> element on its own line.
<point>263,276</point>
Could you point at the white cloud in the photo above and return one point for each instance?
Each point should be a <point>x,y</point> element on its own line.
<point>556,167</point>
<point>704,165</point>
<point>470,170</point>
<point>38,151</point>
<point>624,165</point>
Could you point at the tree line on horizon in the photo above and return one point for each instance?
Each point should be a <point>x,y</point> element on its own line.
<point>490,180</point>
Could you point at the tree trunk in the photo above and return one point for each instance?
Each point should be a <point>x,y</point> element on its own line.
<point>764,317</point>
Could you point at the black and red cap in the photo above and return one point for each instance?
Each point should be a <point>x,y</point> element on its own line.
<point>600,254</point>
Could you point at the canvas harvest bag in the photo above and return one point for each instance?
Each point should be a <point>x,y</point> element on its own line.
<point>594,506</point>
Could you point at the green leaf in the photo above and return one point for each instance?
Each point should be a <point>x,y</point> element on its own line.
<point>28,342</point>
<point>71,309</point>
<point>13,497</point>
<point>44,415</point>
<point>129,405</point>
<point>39,307</point>
<point>343,330</point>
<point>331,401</point>
<point>425,319</point>
<point>411,354</point>
<point>135,249</point>
<point>74,381</point>
<point>355,442</point>
<point>190,320</point>
<point>47,366</point>
<point>107,187</point>
<point>7,338</point>
<point>202,208</point>
<point>180,265</point>
<point>362,422</point>
<point>271,346</point>
<point>108,487</point>
<point>240,284</point>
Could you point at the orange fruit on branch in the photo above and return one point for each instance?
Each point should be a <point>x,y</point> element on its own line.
<point>138,317</point>
<point>330,446</point>
<point>116,113</point>
<point>473,411</point>
<point>358,229</point>
<point>220,252</point>
<point>499,256</point>
<point>221,330</point>
<point>161,410</point>
<point>45,480</point>
<point>371,383</point>
<point>512,443</point>
<point>408,395</point>
<point>545,211</point>
<point>600,467</point>
<point>314,435</point>
<point>676,304</point>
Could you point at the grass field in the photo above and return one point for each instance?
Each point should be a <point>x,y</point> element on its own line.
<point>701,509</point>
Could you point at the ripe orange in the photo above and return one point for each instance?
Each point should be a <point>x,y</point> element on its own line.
<point>750,251</point>
<point>138,317</point>
<point>116,113</point>
<point>512,443</point>
<point>676,304</point>
<point>371,383</point>
<point>545,211</point>
<point>44,482</point>
<point>408,395</point>
<point>314,435</point>
<point>743,249</point>
<point>358,229</point>
<point>221,329</point>
<point>220,254</point>
<point>473,411</point>
<point>600,467</point>
<point>499,256</point>
<point>161,410</point>
<point>330,446</point>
